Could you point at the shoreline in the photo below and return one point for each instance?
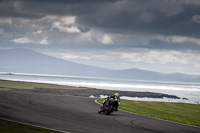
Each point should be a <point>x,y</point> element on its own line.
<point>75,91</point>
<point>184,92</point>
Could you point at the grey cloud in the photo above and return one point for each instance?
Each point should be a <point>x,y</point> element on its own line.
<point>135,16</point>
<point>196,18</point>
<point>126,17</point>
<point>39,8</point>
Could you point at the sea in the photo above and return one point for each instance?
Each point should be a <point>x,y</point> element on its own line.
<point>188,92</point>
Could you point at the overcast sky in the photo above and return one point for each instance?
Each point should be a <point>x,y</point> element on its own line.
<point>155,35</point>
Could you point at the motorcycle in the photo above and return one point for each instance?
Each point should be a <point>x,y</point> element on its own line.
<point>109,106</point>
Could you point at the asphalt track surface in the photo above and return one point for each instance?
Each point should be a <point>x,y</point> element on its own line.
<point>79,115</point>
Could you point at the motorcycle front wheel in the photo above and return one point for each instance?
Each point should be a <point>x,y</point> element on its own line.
<point>109,110</point>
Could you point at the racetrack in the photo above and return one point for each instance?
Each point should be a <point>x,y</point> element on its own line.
<point>79,114</point>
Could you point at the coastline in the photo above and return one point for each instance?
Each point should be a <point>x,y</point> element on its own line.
<point>75,91</point>
<point>186,92</point>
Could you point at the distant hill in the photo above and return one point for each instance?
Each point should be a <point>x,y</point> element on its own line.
<point>28,61</point>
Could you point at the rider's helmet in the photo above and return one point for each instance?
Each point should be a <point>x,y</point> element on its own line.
<point>116,94</point>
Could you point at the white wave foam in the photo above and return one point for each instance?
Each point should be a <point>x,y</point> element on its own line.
<point>183,90</point>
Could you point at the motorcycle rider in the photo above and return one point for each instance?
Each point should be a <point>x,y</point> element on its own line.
<point>116,97</point>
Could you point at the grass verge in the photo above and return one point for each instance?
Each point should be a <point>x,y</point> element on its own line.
<point>177,112</point>
<point>69,90</point>
<point>20,85</point>
<point>12,127</point>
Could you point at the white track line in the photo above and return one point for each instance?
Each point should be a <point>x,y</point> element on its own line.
<point>34,125</point>
<point>153,117</point>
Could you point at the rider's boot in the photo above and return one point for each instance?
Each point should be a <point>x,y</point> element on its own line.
<point>116,109</point>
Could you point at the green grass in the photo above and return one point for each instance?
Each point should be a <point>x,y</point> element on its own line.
<point>69,90</point>
<point>177,112</point>
<point>10,85</point>
<point>12,127</point>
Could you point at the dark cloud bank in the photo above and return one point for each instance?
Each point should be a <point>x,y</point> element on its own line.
<point>164,17</point>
